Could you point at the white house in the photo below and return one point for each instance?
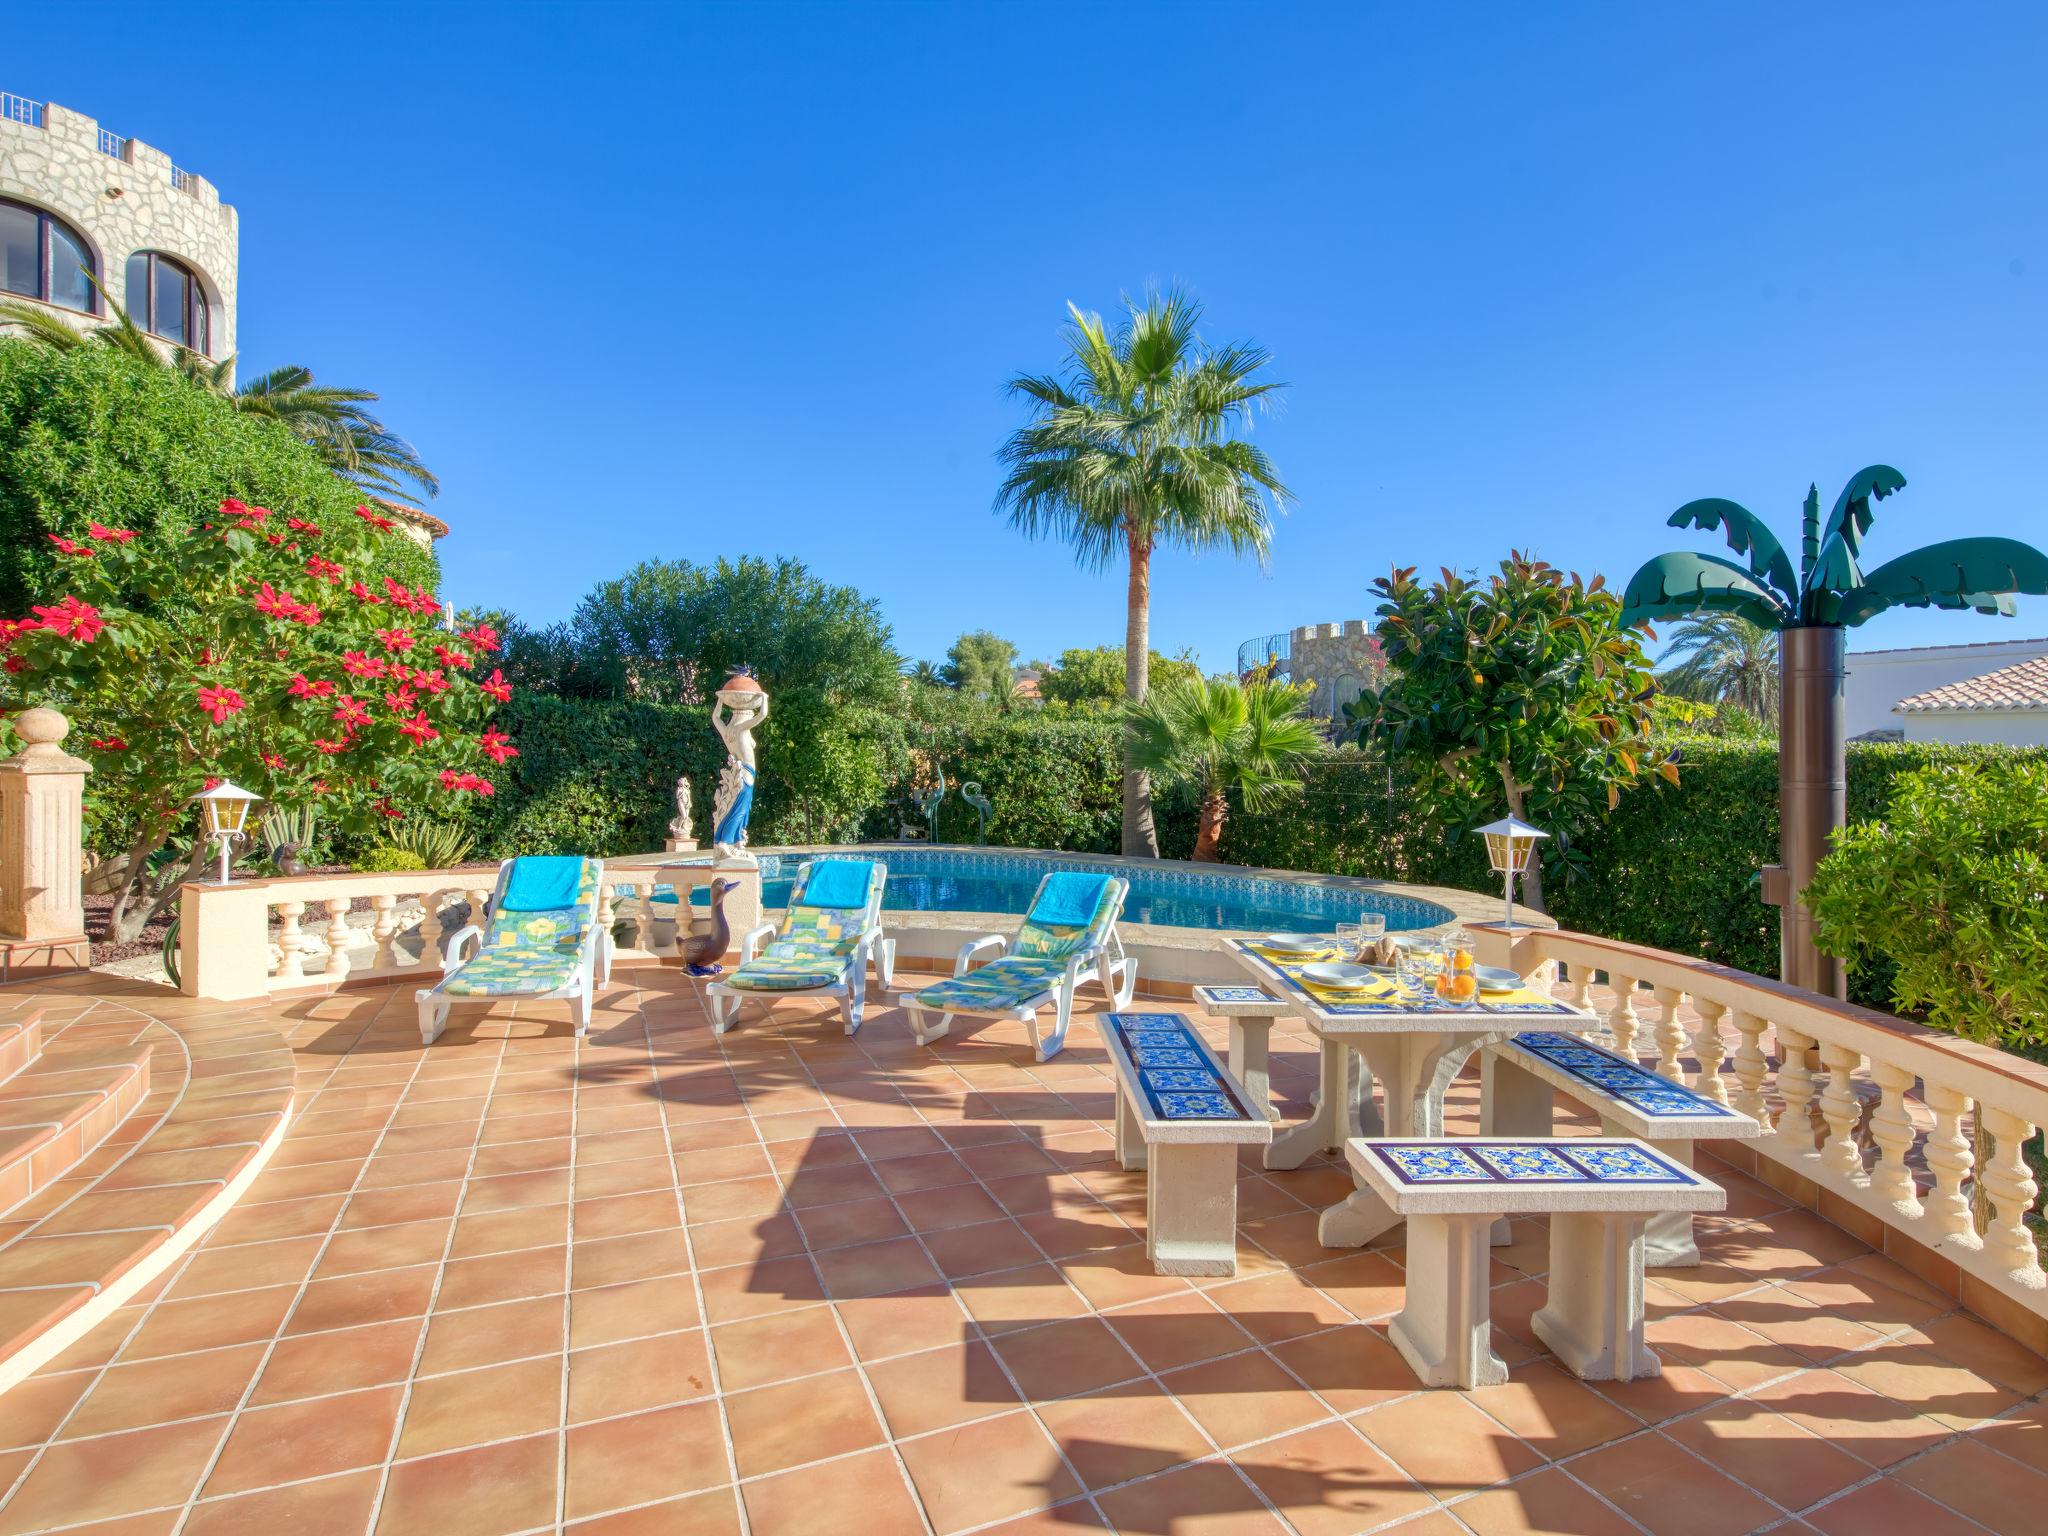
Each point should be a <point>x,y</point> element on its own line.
<point>1878,681</point>
<point>2008,706</point>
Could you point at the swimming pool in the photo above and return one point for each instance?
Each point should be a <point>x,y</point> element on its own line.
<point>1172,896</point>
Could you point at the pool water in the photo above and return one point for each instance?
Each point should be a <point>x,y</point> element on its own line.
<point>937,880</point>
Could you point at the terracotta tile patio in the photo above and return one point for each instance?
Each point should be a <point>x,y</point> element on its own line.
<point>788,1283</point>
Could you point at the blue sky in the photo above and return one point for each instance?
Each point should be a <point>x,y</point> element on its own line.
<point>690,281</point>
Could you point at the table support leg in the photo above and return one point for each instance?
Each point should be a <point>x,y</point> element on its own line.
<point>1668,1241</point>
<point>1593,1320</point>
<point>1130,1135</point>
<point>1333,1114</point>
<point>1445,1327</point>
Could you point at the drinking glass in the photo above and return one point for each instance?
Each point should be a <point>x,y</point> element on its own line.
<point>1372,928</point>
<point>1349,940</point>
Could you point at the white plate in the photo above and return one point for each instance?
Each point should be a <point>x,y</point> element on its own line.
<point>1496,978</point>
<point>1298,943</point>
<point>1338,974</point>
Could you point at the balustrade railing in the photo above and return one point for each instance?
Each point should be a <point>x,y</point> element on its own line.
<point>21,109</point>
<point>252,938</point>
<point>1886,1115</point>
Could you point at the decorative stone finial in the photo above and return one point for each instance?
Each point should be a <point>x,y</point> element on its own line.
<point>41,730</point>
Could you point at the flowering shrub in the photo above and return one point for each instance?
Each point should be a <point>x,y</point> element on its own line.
<point>261,648</point>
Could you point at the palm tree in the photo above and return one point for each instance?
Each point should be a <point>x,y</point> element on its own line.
<point>1222,735</point>
<point>1129,449</point>
<point>1723,658</point>
<point>333,422</point>
<point>1811,610</point>
<point>923,674</point>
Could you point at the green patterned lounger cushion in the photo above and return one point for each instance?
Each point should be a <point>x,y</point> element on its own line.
<point>996,987</point>
<point>511,968</point>
<point>811,951</point>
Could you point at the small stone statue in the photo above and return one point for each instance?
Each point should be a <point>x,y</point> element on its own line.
<point>742,705</point>
<point>679,836</point>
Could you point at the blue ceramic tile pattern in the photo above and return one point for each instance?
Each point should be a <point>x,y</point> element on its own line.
<point>1508,1162</point>
<point>1177,1076</point>
<point>1527,1163</point>
<point>1618,1077</point>
<point>1233,994</point>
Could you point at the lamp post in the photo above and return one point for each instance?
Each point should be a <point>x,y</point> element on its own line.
<point>223,811</point>
<point>1510,845</point>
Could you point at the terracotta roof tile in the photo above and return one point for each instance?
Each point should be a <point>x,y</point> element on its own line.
<point>2024,686</point>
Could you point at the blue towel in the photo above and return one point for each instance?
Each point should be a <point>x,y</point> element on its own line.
<point>838,883</point>
<point>1068,899</point>
<point>542,884</point>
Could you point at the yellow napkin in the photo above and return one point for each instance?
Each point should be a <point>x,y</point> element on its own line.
<point>1292,957</point>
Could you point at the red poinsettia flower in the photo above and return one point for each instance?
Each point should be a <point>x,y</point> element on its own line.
<point>381,524</point>
<point>496,745</point>
<point>303,526</point>
<point>450,779</point>
<point>307,615</point>
<point>362,664</point>
<point>496,686</point>
<point>219,703</point>
<point>349,710</point>
<point>11,629</point>
<point>386,808</point>
<point>483,637</point>
<point>418,729</point>
<point>318,786</point>
<point>70,547</point>
<point>323,568</point>
<point>399,640</point>
<point>212,781</point>
<point>273,759</point>
<point>80,621</point>
<point>453,658</point>
<point>431,680</point>
<point>242,512</point>
<point>277,605</point>
<point>108,535</point>
<point>362,594</point>
<point>303,688</point>
<point>110,743</point>
<point>275,538</point>
<point>329,747</point>
<point>401,700</point>
<point>399,672</point>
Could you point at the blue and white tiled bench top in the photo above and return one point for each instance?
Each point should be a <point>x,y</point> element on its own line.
<point>1228,1002</point>
<point>1629,1097</point>
<point>1499,1176</point>
<point>1174,1081</point>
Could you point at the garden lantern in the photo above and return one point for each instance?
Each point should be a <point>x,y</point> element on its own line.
<point>1510,845</point>
<point>223,812</point>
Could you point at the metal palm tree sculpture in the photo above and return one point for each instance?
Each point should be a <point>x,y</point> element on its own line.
<point>1812,610</point>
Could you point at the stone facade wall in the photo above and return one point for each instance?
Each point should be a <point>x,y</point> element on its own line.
<point>1341,661</point>
<point>122,206</point>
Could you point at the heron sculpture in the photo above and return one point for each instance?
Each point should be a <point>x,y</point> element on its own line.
<point>971,793</point>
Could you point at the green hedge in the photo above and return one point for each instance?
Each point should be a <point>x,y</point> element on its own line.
<point>92,435</point>
<point>1672,868</point>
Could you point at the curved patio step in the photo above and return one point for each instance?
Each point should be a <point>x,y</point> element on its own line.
<point>21,1042</point>
<point>61,1108</point>
<point>190,1136</point>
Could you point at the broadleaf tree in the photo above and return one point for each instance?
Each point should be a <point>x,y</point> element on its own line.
<point>1526,693</point>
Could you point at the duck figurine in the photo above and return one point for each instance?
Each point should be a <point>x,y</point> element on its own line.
<point>701,952</point>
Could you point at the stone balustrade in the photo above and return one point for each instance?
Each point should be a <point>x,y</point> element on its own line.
<point>257,938</point>
<point>1871,1120</point>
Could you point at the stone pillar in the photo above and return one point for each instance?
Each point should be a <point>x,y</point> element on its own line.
<point>42,852</point>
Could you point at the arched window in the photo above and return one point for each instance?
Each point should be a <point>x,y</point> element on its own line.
<point>42,257</point>
<point>166,299</point>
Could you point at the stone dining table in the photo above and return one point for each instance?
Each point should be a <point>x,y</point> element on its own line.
<point>1413,1046</point>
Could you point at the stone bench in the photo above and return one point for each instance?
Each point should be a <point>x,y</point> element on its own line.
<point>1521,1076</point>
<point>1598,1193</point>
<point>1250,1012</point>
<point>1181,1116</point>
